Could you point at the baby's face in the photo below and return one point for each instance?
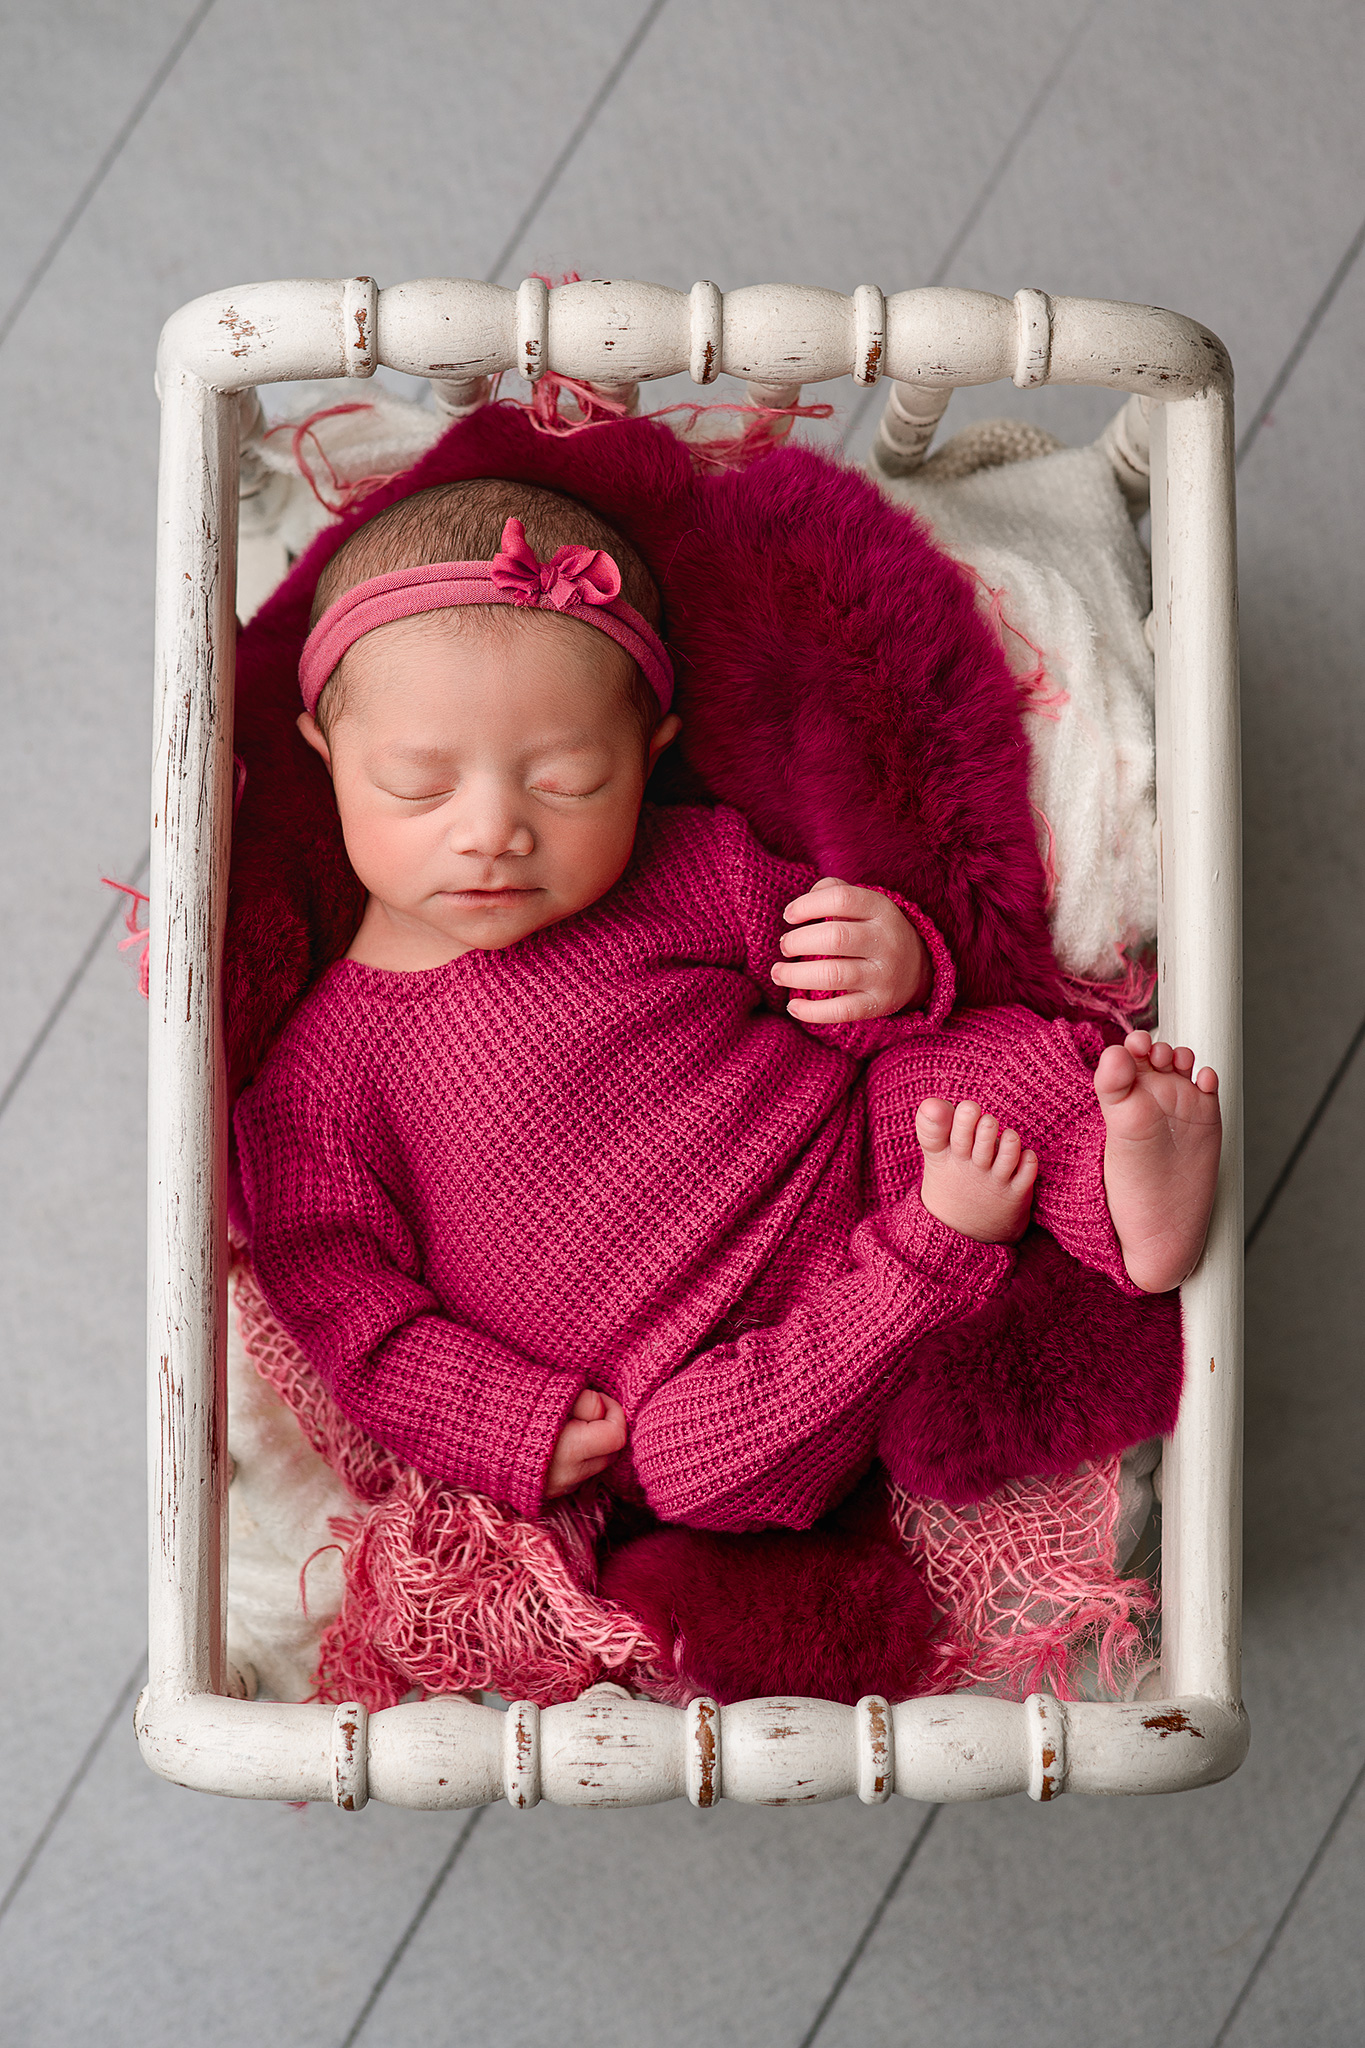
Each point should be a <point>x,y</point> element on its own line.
<point>489,779</point>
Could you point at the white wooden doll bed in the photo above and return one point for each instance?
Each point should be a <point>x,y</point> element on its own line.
<point>607,1749</point>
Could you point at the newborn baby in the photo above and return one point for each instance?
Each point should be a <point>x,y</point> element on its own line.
<point>552,1173</point>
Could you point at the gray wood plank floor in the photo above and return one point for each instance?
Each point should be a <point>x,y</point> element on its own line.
<point>1205,154</point>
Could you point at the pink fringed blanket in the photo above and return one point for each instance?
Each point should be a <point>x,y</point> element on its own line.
<point>446,1592</point>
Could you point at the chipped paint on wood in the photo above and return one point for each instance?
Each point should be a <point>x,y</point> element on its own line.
<point>243,331</point>
<point>1175,1721</point>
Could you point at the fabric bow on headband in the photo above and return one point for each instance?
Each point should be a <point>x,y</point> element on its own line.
<point>572,574</point>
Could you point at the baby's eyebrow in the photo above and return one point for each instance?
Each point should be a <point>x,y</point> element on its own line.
<point>577,742</point>
<point>420,753</point>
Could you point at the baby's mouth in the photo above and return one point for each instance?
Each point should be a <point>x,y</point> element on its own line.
<point>485,895</point>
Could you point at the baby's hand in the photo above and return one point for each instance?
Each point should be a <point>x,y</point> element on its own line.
<point>588,1442</point>
<point>873,955</point>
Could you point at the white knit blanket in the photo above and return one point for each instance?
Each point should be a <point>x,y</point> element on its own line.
<point>1055,536</point>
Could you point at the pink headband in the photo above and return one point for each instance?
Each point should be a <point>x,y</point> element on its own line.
<point>582,583</point>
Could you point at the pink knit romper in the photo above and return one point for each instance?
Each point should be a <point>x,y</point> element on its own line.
<point>605,1155</point>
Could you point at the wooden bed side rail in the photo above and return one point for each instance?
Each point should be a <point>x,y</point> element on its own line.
<point>607,1749</point>
<point>456,329</point>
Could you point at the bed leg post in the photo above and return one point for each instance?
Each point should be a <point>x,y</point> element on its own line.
<point>1127,441</point>
<point>908,424</point>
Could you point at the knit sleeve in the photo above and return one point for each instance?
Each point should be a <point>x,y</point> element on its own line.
<point>773,1426</point>
<point>761,886</point>
<point>340,1269</point>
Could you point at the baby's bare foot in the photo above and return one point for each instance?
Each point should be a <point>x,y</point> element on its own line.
<point>978,1179</point>
<point>1160,1156</point>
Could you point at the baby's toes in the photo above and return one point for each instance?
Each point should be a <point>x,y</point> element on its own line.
<point>1184,1061</point>
<point>1162,1057</point>
<point>933,1124</point>
<point>1007,1155</point>
<point>984,1143</point>
<point>1027,1173</point>
<point>965,1119</point>
<point>1118,1071</point>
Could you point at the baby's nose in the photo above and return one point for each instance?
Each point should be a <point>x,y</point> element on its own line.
<point>492,838</point>
<point>491,828</point>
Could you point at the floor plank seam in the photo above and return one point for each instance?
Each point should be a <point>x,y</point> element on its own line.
<point>1290,1908</point>
<point>994,178</point>
<point>1302,342</point>
<point>72,1786</point>
<point>874,1921</point>
<point>571,147</point>
<point>1305,1138</point>
<point>68,991</point>
<point>429,1898</point>
<point>102,169</point>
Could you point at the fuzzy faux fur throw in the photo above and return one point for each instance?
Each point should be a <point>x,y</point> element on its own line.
<point>836,684</point>
<point>840,686</point>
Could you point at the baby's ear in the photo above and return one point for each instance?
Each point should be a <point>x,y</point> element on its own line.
<point>312,732</point>
<point>666,731</point>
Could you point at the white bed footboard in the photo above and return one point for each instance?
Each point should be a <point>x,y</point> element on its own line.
<point>607,1749</point>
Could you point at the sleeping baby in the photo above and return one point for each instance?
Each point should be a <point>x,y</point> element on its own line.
<point>616,1144</point>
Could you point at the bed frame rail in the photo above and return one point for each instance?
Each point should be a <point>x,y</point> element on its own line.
<point>607,1749</point>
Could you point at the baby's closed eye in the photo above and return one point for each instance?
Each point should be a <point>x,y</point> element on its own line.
<point>561,790</point>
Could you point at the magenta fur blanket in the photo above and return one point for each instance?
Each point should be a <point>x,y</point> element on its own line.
<point>839,685</point>
<point>836,683</point>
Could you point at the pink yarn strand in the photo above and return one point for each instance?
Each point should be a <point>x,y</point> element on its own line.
<point>1124,1001</point>
<point>1028,1583</point>
<point>302,432</point>
<point>139,935</point>
<point>763,425</point>
<point>1040,694</point>
<point>446,1591</point>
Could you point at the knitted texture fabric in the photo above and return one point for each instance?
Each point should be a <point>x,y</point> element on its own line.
<point>448,1593</point>
<point>605,1154</point>
<point>1026,1585</point>
<point>444,1590</point>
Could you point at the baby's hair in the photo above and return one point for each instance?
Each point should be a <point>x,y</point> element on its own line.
<point>463,522</point>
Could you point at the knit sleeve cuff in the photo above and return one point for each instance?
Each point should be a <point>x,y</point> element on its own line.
<point>943,1255</point>
<point>943,994</point>
<point>518,1463</point>
<point>864,1036</point>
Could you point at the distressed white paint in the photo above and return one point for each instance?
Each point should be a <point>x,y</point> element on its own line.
<point>1033,312</point>
<point>769,334</point>
<point>350,1756</point>
<point>1199,936</point>
<point>607,1749</point>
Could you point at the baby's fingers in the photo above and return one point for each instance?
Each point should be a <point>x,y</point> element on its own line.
<point>832,898</point>
<point>846,974</point>
<point>849,1009</point>
<point>604,1435</point>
